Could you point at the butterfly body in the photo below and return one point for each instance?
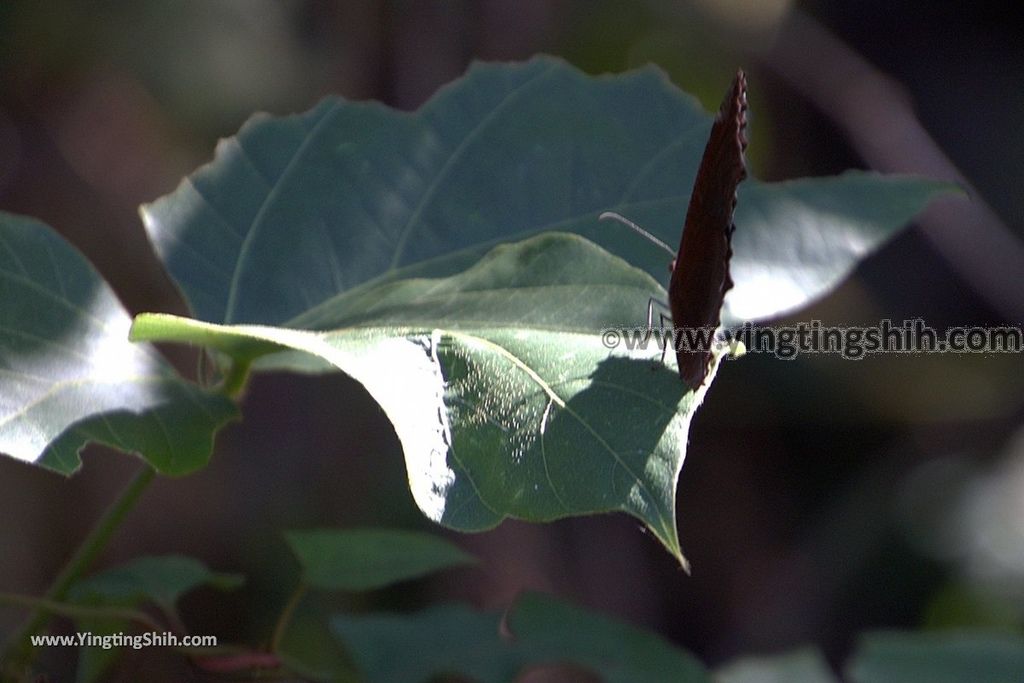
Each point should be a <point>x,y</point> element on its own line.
<point>700,271</point>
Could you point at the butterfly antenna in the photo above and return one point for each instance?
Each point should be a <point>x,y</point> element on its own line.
<point>633,226</point>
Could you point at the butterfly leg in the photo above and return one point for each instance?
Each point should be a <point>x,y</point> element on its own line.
<point>666,339</point>
<point>650,312</point>
<point>661,324</point>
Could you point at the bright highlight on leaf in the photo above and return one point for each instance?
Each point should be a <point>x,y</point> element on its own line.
<point>69,374</point>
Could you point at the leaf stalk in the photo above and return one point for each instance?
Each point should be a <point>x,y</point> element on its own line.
<point>19,652</point>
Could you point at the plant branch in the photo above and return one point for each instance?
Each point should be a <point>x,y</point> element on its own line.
<point>19,648</point>
<point>877,115</point>
<point>235,377</point>
<point>286,615</point>
<point>75,611</point>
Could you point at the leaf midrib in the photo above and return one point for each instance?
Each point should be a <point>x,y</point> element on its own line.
<point>442,174</point>
<point>377,316</point>
<point>258,220</point>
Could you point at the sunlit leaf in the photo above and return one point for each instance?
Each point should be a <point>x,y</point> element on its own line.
<point>297,210</point>
<point>536,419</point>
<point>69,375</point>
<point>365,223</point>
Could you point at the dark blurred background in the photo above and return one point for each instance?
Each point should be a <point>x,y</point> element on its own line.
<point>820,497</point>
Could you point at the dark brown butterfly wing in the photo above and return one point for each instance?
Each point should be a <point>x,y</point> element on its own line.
<point>700,274</point>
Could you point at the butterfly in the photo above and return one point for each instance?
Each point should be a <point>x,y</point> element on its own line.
<point>700,268</point>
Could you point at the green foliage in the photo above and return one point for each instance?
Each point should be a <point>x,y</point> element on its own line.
<point>296,211</point>
<point>375,227</point>
<point>418,254</point>
<point>454,639</point>
<point>161,581</point>
<point>366,559</point>
<point>504,404</point>
<point>556,631</point>
<point>71,376</point>
<point>442,639</point>
<point>941,657</point>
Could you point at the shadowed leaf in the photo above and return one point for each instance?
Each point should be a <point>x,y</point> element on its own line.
<point>366,559</point>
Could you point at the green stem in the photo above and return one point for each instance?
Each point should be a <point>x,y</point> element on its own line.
<point>19,649</point>
<point>74,611</point>
<point>235,377</point>
<point>286,615</point>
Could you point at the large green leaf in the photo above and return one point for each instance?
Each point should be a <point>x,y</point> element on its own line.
<point>453,639</point>
<point>503,405</point>
<point>938,658</point>
<point>69,375</point>
<point>796,240</point>
<point>365,559</point>
<point>297,210</point>
<point>504,399</point>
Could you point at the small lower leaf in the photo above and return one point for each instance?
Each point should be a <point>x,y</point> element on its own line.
<point>555,631</point>
<point>938,658</point>
<point>448,639</point>
<point>455,640</point>
<point>161,580</point>
<point>366,559</point>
